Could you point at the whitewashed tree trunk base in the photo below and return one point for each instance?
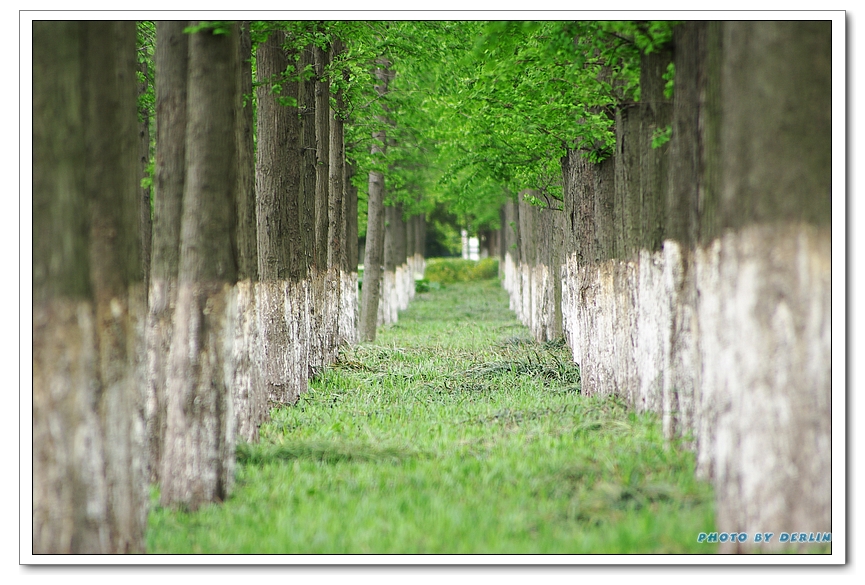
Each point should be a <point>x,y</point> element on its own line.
<point>250,406</point>
<point>731,344</point>
<point>198,460</point>
<point>69,491</point>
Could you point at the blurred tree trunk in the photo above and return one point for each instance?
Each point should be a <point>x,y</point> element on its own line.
<point>249,397</point>
<point>172,62</point>
<point>198,461</point>
<point>89,490</point>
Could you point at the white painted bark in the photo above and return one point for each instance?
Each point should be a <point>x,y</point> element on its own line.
<point>297,324</point>
<point>401,288</point>
<point>348,313</point>
<point>387,308</point>
<point>158,332</point>
<point>316,339</point>
<point>275,341</point>
<point>250,406</point>
<point>734,350</point>
<point>531,291</point>
<point>68,452</point>
<point>766,378</point>
<point>511,282</point>
<point>331,314</point>
<point>198,460</point>
<point>418,268</point>
<point>121,413</point>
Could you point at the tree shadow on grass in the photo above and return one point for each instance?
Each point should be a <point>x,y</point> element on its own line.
<point>324,451</point>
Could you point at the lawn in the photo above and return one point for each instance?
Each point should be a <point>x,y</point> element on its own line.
<point>453,433</point>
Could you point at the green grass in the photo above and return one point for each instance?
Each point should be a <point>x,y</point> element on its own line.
<point>453,433</point>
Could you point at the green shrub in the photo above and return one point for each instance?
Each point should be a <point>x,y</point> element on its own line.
<point>450,270</point>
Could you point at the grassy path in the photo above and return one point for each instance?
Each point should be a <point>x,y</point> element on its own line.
<point>453,433</point>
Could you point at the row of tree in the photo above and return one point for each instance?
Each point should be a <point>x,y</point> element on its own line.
<point>612,145</point>
<point>176,301</point>
<point>690,268</point>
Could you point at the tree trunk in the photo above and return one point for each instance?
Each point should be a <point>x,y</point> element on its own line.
<point>318,339</point>
<point>765,298</point>
<point>511,275</point>
<point>247,230</point>
<point>686,185</point>
<point>388,304</point>
<point>68,476</point>
<point>306,107</point>
<point>717,318</point>
<point>337,261</point>
<point>350,292</point>
<point>172,59</point>
<point>401,251</point>
<point>113,186</point>
<point>278,187</point>
<point>89,490</point>
<point>198,463</point>
<point>374,260</point>
<point>351,219</point>
<point>374,254</point>
<point>420,244</point>
<point>250,401</point>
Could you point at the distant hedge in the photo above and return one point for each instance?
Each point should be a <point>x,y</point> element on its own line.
<point>448,270</point>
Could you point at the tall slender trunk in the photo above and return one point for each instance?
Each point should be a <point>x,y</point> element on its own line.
<point>250,401</point>
<point>372,264</point>
<point>172,63</point>
<point>318,339</point>
<point>198,463</point>
<point>387,313</point>
<point>278,187</point>
<point>350,290</point>
<point>337,252</point>
<point>306,207</point>
<point>764,301</point>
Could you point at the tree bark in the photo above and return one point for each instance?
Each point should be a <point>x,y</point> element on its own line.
<point>337,260</point>
<point>278,190</point>
<point>89,491</point>
<point>172,61</point>
<point>306,108</point>
<point>374,260</point>
<point>306,207</point>
<point>766,298</point>
<point>247,225</point>
<point>718,318</point>
<point>250,401</point>
<point>388,303</point>
<point>350,290</point>
<point>322,154</point>
<point>198,463</point>
<point>318,339</point>
<point>278,164</point>
<point>113,190</point>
